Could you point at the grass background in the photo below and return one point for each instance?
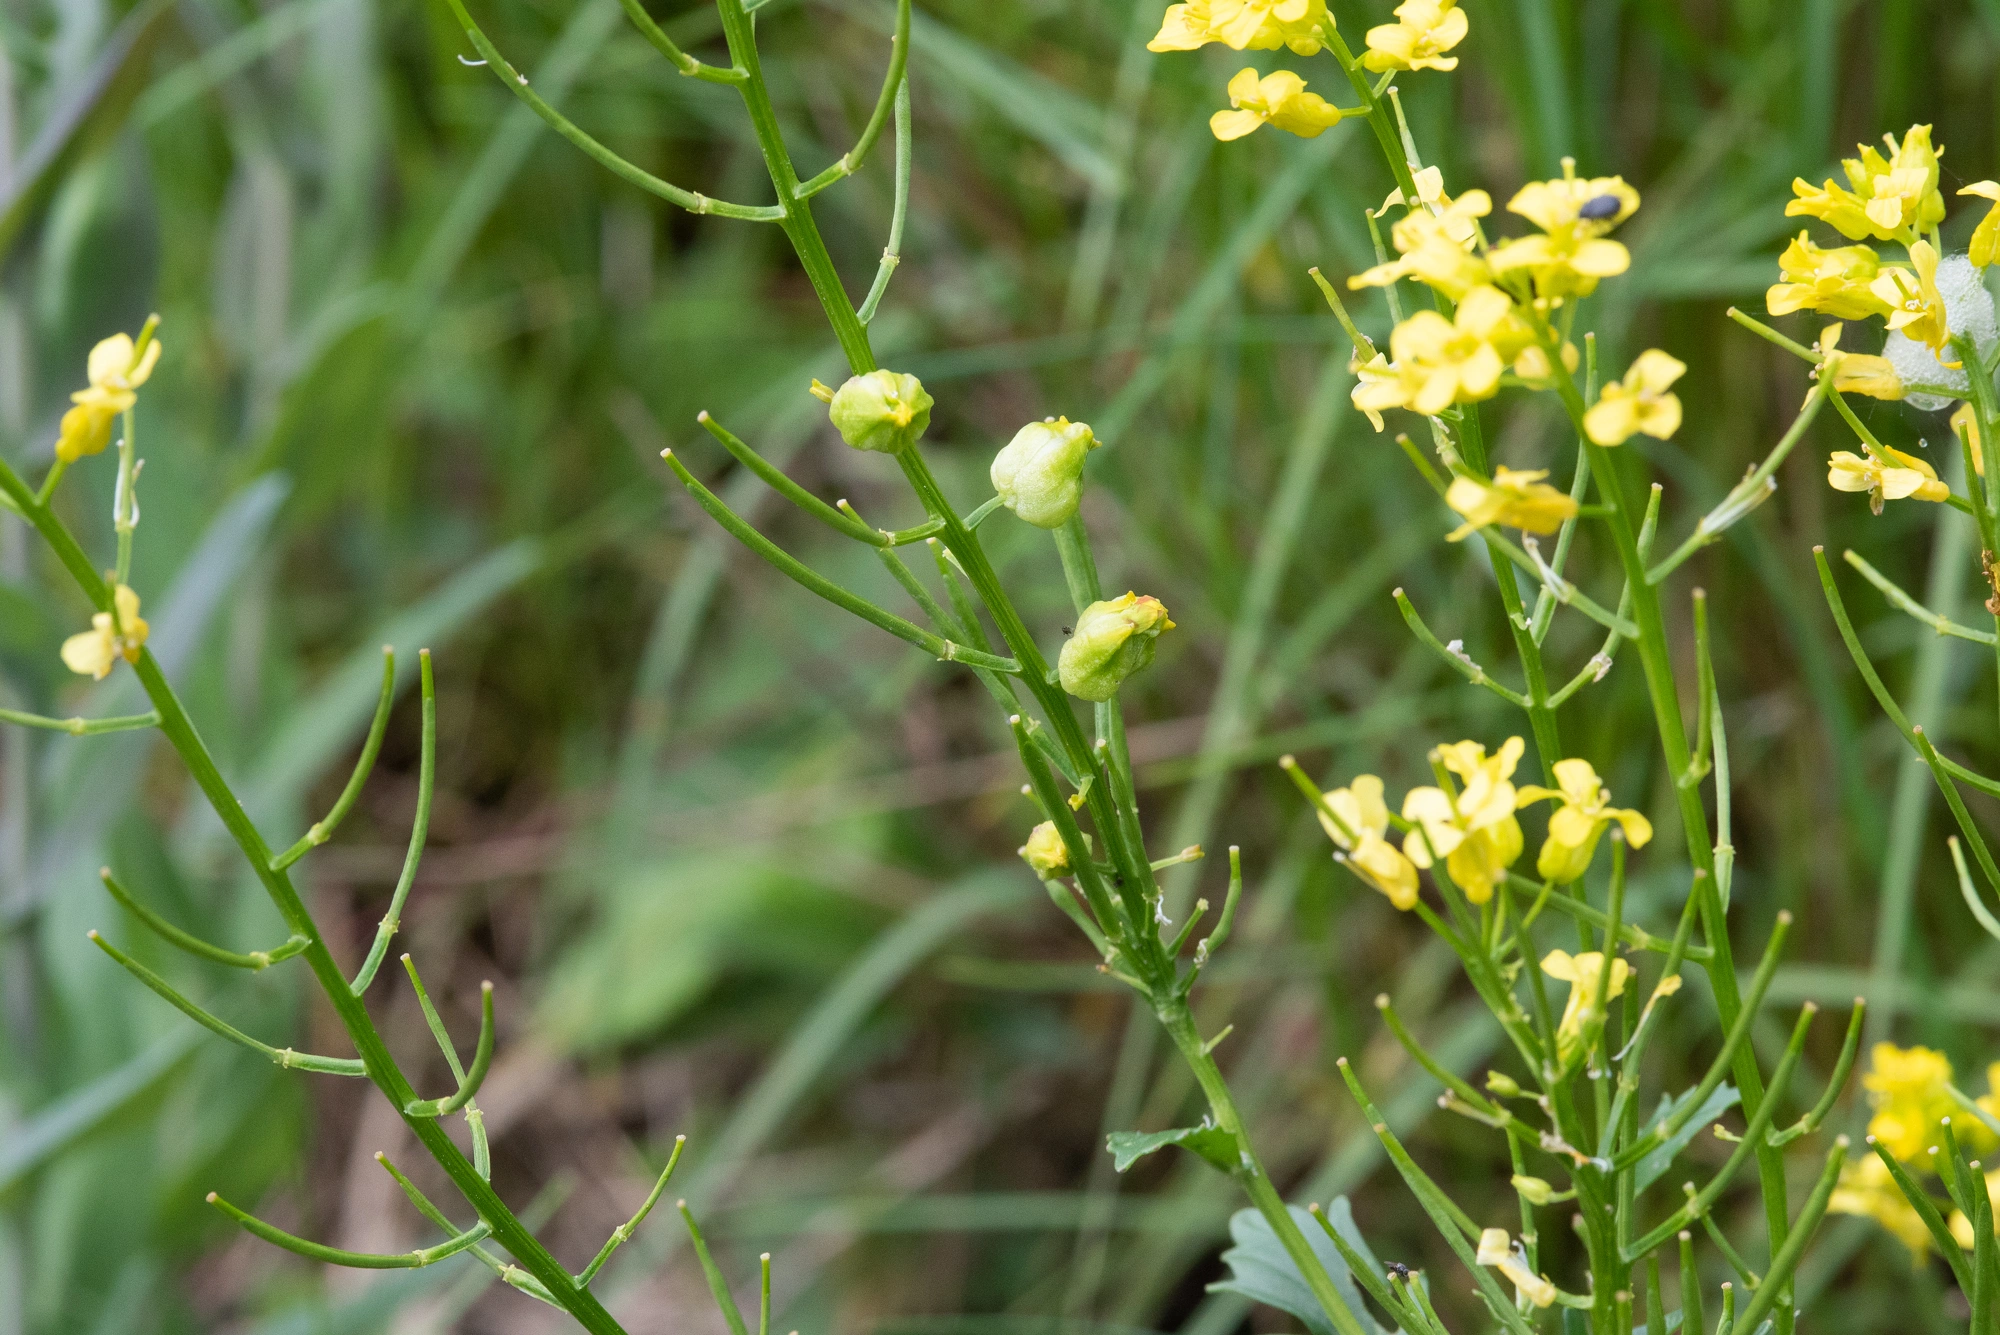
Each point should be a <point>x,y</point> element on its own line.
<point>743,869</point>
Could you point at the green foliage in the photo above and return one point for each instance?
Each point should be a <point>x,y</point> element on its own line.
<point>460,344</point>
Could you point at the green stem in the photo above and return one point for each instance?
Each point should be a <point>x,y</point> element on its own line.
<point>1179,1023</point>
<point>377,1063</point>
<point>1662,690</point>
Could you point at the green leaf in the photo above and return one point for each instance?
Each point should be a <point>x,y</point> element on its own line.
<point>1262,1270</point>
<point>1210,1142</point>
<point>1653,1165</point>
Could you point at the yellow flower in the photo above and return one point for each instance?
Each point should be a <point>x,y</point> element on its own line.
<point>1474,831</point>
<point>1439,362</point>
<point>1572,253</point>
<point>1418,40</point>
<point>1460,216</point>
<point>1585,974</point>
<point>1887,197</point>
<point>1908,1088</point>
<point>93,653</point>
<point>1045,851</point>
<point>1640,402</point>
<point>1254,25</point>
<point>1856,372</point>
<point>1915,305</point>
<point>1866,1188</point>
<point>116,370</point>
<point>1966,423</point>
<point>1432,252</point>
<point>1897,476</point>
<point>1577,824</point>
<point>1278,99</point>
<point>1497,1250</point>
<point>1985,237</point>
<point>1518,499</point>
<point>1371,857</point>
<point>1832,281</point>
<point>1375,380</point>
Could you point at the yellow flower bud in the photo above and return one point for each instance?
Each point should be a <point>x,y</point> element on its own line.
<point>885,411</point>
<point>1039,473</point>
<point>1506,1086</point>
<point>1533,1190</point>
<point>1045,851</point>
<point>1113,640</point>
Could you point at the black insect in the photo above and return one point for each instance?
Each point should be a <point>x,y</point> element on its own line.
<point>1398,1269</point>
<point>1068,631</point>
<point>1601,209</point>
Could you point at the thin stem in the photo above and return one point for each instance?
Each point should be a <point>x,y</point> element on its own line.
<point>474,1076</point>
<point>283,1057</point>
<point>194,945</point>
<point>1943,625</point>
<point>685,63</point>
<point>82,727</point>
<point>420,827</point>
<point>718,1285</point>
<point>892,254</point>
<point>322,830</point>
<point>516,83</point>
<point>1459,660</point>
<point>840,521</point>
<point>623,1233</point>
<point>892,84</point>
<point>811,579</point>
<point>315,1251</point>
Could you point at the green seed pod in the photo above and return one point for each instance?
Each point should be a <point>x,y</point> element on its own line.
<point>1045,851</point>
<point>1039,473</point>
<point>884,411</point>
<point>1113,640</point>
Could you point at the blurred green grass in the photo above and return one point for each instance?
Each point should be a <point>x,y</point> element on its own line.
<point>743,869</point>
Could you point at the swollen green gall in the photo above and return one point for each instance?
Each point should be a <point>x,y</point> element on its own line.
<point>1039,473</point>
<point>885,411</point>
<point>1045,851</point>
<point>1113,640</point>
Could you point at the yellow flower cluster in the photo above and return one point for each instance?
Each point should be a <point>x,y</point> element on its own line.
<point>1279,100</point>
<point>1244,25</point>
<point>116,369</point>
<point>1470,824</point>
<point>1423,31</point>
<point>1911,1092</point>
<point>1892,197</point>
<point>1502,295</point>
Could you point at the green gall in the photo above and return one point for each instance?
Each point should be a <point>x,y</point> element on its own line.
<point>1039,473</point>
<point>1045,851</point>
<point>885,411</point>
<point>1113,640</point>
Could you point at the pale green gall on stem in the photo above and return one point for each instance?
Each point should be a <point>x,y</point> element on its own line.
<point>1039,473</point>
<point>1113,640</point>
<point>884,411</point>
